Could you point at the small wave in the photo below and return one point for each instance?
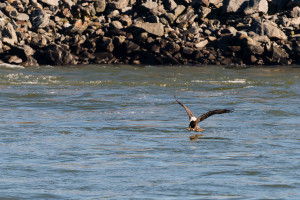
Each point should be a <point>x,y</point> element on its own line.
<point>23,79</point>
<point>11,66</point>
<point>240,81</point>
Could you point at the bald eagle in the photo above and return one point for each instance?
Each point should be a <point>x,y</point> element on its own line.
<point>193,126</point>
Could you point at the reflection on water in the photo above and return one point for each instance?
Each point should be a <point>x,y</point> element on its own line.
<point>116,132</point>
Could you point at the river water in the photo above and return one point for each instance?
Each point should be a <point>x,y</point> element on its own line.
<point>116,132</point>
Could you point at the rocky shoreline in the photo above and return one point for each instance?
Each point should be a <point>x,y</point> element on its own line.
<point>176,32</point>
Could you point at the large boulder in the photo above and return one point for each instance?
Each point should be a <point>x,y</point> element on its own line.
<point>256,6</point>
<point>245,6</point>
<point>170,4</point>
<point>232,6</point>
<point>118,4</point>
<point>295,12</point>
<point>216,3</point>
<point>24,51</point>
<point>50,2</point>
<point>152,28</point>
<point>279,55</point>
<point>149,5</point>
<point>9,34</point>
<point>100,5</point>
<point>179,10</point>
<point>188,18</point>
<point>269,29</point>
<point>206,3</point>
<point>39,18</point>
<point>272,31</point>
<point>58,55</point>
<point>79,27</point>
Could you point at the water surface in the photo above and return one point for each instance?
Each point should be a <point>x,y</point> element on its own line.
<point>116,132</point>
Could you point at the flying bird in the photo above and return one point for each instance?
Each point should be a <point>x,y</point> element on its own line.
<point>193,126</point>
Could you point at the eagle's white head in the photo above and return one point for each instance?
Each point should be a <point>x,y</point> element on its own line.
<point>193,119</point>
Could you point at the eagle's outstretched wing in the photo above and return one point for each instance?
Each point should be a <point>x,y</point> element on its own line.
<point>186,108</point>
<point>210,113</point>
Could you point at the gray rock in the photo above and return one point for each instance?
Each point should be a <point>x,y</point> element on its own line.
<point>187,50</point>
<point>9,34</point>
<point>216,3</point>
<point>100,5</point>
<point>172,47</point>
<point>24,54</point>
<point>256,49</point>
<point>113,14</point>
<point>201,44</point>
<point>295,12</point>
<point>194,30</point>
<point>279,55</point>
<point>116,25</point>
<point>22,17</point>
<point>15,60</point>
<point>28,51</point>
<point>262,39</point>
<point>11,11</point>
<point>107,44</point>
<point>170,17</point>
<point>118,4</point>
<point>164,21</point>
<point>187,18</point>
<point>38,40</point>
<point>179,10</point>
<point>231,30</point>
<point>1,46</point>
<point>58,55</point>
<point>295,22</point>
<point>119,40</point>
<point>272,31</point>
<point>153,7</point>
<point>131,47</point>
<point>233,6</point>
<point>79,27</point>
<point>170,58</point>
<point>24,51</point>
<point>204,11</point>
<point>50,2</point>
<point>256,6</point>
<point>152,28</point>
<point>2,23</point>
<point>170,4</point>
<point>150,5</point>
<point>126,20</point>
<point>39,18</point>
<point>30,62</point>
<point>269,29</point>
<point>246,6</point>
<point>206,3</point>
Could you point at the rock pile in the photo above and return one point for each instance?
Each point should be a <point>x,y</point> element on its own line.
<point>67,32</point>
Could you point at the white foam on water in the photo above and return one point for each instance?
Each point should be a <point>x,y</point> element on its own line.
<point>237,81</point>
<point>7,65</point>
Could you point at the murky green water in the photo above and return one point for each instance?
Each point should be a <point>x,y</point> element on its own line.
<point>96,132</point>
